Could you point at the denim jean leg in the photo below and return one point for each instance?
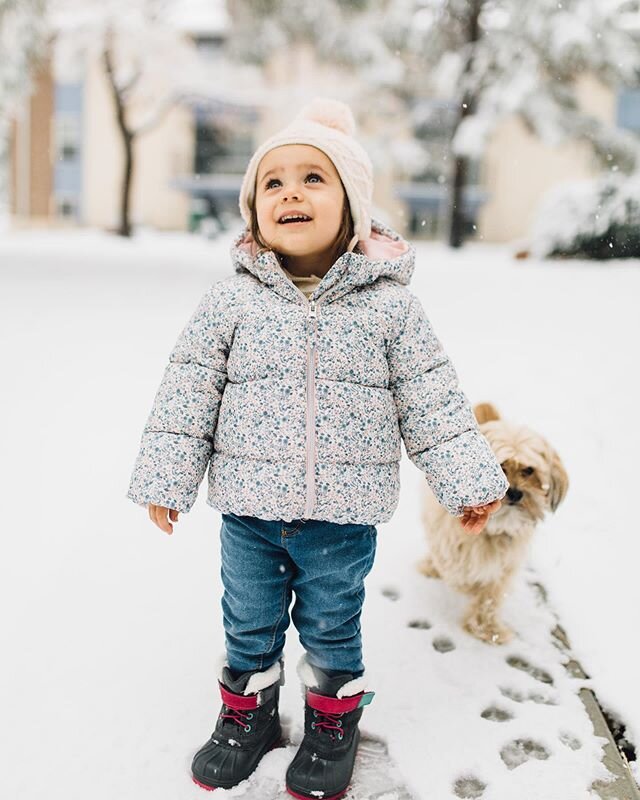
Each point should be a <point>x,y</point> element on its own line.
<point>332,562</point>
<point>257,573</point>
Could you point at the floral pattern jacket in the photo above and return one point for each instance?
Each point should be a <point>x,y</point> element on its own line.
<point>299,406</point>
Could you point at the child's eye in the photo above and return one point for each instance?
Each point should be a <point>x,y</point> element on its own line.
<point>276,180</point>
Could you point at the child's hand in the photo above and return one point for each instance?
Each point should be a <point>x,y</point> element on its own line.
<point>474,518</point>
<point>158,514</point>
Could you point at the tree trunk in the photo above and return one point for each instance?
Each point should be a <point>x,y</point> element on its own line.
<point>124,227</point>
<point>460,168</point>
<point>127,135</point>
<point>456,201</point>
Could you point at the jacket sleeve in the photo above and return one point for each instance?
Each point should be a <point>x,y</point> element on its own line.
<point>437,423</point>
<point>177,440</point>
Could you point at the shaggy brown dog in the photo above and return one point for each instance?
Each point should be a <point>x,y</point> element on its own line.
<point>483,566</point>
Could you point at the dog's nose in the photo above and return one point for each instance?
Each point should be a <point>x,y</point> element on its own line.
<point>514,495</point>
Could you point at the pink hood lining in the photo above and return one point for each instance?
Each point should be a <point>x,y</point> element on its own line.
<point>378,247</point>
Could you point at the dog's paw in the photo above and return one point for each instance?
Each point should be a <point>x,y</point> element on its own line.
<point>428,568</point>
<point>488,631</point>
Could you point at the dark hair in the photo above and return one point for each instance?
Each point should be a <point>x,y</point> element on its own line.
<point>343,237</point>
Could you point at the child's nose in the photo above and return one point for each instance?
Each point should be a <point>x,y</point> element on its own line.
<point>291,193</point>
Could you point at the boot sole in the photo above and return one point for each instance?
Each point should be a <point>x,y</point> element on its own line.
<point>313,797</point>
<point>279,742</point>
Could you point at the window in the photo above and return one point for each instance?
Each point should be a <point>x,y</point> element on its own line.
<point>628,115</point>
<point>67,137</point>
<point>67,206</point>
<point>221,148</point>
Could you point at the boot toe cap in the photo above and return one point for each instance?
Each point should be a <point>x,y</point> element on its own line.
<point>309,774</point>
<point>218,766</point>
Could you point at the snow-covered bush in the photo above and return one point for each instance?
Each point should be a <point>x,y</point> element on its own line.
<point>597,218</point>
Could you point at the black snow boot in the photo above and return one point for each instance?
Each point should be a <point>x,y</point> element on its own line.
<point>323,765</point>
<point>248,726</point>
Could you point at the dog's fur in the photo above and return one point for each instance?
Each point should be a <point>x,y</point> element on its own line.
<point>483,565</point>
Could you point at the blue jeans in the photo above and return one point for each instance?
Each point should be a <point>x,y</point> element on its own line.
<point>323,563</point>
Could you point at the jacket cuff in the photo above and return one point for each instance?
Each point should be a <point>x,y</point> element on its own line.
<point>463,472</point>
<point>169,470</point>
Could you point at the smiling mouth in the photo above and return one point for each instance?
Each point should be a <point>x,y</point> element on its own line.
<point>296,223</point>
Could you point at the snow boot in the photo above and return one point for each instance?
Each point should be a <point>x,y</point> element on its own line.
<point>323,765</point>
<point>248,726</point>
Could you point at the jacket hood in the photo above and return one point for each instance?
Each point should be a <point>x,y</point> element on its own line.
<point>384,254</point>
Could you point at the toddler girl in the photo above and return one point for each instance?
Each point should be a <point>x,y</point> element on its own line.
<point>296,380</point>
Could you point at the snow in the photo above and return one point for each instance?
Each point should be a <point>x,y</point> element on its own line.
<point>112,630</point>
<point>572,211</point>
<point>201,17</point>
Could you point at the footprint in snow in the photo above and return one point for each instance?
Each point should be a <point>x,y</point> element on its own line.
<point>517,662</point>
<point>521,697</point>
<point>570,740</point>
<point>469,787</point>
<point>540,593</point>
<point>496,714</point>
<point>421,624</point>
<point>519,751</point>
<point>390,593</point>
<point>443,645</point>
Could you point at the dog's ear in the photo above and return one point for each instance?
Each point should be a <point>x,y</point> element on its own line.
<point>559,480</point>
<point>485,412</point>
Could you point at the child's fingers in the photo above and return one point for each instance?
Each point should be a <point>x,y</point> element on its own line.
<point>173,514</point>
<point>468,525</point>
<point>472,522</point>
<point>163,522</point>
<point>159,515</point>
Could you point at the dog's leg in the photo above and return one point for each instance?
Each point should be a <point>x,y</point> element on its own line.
<point>428,568</point>
<point>481,618</point>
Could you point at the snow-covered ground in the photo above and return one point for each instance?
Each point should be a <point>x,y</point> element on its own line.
<point>111,630</point>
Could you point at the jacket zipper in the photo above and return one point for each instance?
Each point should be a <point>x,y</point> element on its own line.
<point>312,353</point>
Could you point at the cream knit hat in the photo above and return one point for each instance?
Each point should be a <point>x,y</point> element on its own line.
<point>329,125</point>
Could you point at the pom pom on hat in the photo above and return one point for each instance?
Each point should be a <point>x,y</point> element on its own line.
<point>331,113</point>
<point>329,125</point>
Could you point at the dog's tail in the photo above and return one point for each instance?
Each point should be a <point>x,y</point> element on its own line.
<point>485,412</point>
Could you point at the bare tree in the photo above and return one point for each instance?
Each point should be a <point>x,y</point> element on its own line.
<point>149,65</point>
<point>121,92</point>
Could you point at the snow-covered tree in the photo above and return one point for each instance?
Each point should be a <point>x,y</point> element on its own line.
<point>596,218</point>
<point>504,57</point>
<point>491,58</point>
<point>22,43</point>
<point>347,35</point>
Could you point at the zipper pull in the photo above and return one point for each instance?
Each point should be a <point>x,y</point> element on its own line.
<point>312,309</point>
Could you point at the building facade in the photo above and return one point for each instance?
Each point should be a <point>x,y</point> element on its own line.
<point>67,156</point>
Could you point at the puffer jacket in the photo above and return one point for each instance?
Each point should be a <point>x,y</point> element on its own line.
<point>299,406</point>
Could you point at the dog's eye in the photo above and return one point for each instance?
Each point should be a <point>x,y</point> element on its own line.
<point>527,471</point>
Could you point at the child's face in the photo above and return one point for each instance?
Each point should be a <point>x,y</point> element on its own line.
<point>302,178</point>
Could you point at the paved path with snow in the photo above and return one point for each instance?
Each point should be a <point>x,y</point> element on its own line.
<point>112,630</point>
